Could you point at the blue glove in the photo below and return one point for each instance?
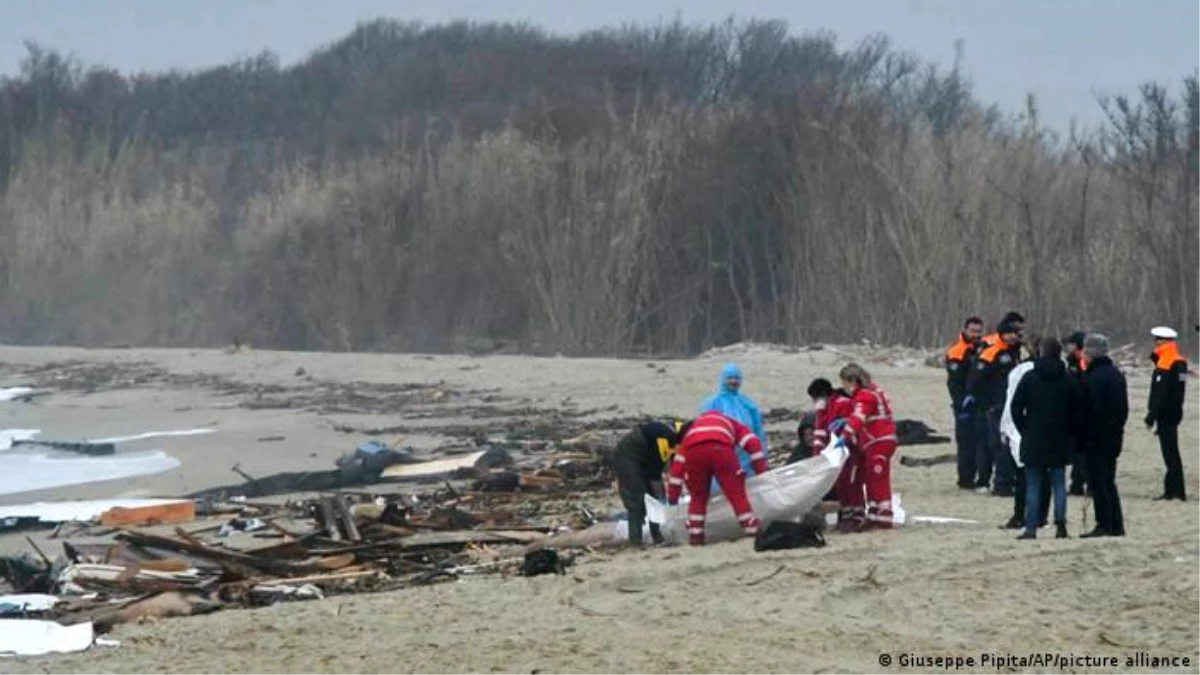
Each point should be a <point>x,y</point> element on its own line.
<point>837,426</point>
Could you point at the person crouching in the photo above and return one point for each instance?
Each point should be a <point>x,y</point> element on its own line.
<point>638,462</point>
<point>707,450</point>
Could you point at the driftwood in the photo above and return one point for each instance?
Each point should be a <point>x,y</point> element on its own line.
<point>947,458</point>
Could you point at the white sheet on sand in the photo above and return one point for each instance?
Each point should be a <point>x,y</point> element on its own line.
<point>29,637</point>
<point>23,472</point>
<point>9,393</point>
<point>90,509</point>
<point>152,434</point>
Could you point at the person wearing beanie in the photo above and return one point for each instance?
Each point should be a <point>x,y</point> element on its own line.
<point>1165,409</point>
<point>1105,413</point>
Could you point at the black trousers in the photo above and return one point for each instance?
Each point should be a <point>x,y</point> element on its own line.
<point>1019,499</point>
<point>633,485</point>
<point>965,435</point>
<point>1168,442</point>
<point>1102,472</point>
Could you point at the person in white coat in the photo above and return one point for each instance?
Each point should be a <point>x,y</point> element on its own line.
<point>1011,437</point>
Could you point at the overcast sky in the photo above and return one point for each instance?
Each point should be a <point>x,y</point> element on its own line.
<point>1064,51</point>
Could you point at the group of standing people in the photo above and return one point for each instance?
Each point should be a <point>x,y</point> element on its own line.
<point>1019,422</point>
<point>726,443</point>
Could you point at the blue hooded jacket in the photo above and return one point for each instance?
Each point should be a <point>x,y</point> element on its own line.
<point>740,407</point>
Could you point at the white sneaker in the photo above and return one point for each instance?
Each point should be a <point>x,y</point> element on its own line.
<point>983,490</point>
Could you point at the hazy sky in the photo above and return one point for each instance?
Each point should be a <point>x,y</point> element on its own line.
<point>1062,50</point>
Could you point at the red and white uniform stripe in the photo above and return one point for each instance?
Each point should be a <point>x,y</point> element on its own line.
<point>872,431</point>
<point>706,451</point>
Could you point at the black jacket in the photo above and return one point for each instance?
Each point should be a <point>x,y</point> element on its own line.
<point>958,365</point>
<point>987,380</point>
<point>1166,392</point>
<point>641,446</point>
<point>1046,409</point>
<point>1106,409</point>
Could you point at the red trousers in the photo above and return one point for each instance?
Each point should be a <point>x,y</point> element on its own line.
<point>716,460</point>
<point>870,469</point>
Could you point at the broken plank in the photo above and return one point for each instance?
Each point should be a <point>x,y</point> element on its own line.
<point>431,469</point>
<point>430,539</point>
<point>159,514</point>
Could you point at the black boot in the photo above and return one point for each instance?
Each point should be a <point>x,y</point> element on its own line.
<point>1060,530</point>
<point>656,533</point>
<point>1014,523</point>
<point>1098,532</point>
<point>1027,534</point>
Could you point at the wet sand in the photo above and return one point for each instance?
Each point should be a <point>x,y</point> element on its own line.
<point>946,590</point>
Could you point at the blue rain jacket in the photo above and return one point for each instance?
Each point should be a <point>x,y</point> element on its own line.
<point>733,403</point>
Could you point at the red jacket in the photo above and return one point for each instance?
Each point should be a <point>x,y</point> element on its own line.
<point>838,406</point>
<point>871,421</point>
<point>713,427</point>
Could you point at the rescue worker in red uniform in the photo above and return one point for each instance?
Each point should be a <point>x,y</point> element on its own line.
<point>872,432</point>
<point>834,408</point>
<point>707,450</point>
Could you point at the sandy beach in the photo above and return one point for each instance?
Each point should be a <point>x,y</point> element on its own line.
<point>962,590</point>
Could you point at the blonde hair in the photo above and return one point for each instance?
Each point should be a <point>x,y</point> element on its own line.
<point>857,374</point>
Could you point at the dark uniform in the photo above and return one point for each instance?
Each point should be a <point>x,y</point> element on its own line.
<point>1077,368</point>
<point>987,389</point>
<point>638,461</point>
<point>1165,411</point>
<point>958,365</point>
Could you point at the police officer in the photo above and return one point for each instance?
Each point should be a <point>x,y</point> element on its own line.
<point>987,385</point>
<point>1165,409</point>
<point>958,364</point>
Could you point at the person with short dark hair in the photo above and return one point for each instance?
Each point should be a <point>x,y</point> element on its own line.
<point>833,408</point>
<point>958,365</point>
<point>1012,438</point>
<point>1046,409</point>
<point>987,384</point>
<point>1107,409</point>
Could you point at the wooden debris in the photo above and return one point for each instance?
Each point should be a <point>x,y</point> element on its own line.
<point>178,512</point>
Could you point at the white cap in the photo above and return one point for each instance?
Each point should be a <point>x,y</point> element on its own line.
<point>1163,333</point>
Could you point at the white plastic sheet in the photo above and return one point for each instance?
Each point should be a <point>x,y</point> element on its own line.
<point>785,493</point>
<point>23,472</point>
<point>153,434</point>
<point>62,512</point>
<point>28,637</point>
<point>9,393</point>
<point>7,436</point>
<point>30,602</point>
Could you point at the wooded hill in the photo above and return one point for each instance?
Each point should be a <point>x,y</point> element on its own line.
<point>641,189</point>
